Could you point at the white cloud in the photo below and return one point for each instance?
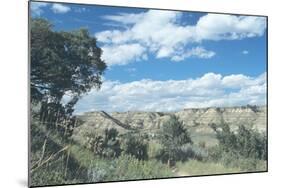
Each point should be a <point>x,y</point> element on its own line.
<point>37,7</point>
<point>245,52</point>
<point>125,18</point>
<point>171,95</point>
<point>162,33</point>
<point>60,8</point>
<point>123,54</point>
<point>229,27</point>
<point>199,52</point>
<point>236,81</point>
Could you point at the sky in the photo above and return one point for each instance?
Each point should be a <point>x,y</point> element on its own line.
<point>160,60</point>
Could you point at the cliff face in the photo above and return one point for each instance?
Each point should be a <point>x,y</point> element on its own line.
<point>196,120</point>
<point>234,116</point>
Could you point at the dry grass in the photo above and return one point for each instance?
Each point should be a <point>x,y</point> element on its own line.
<point>194,167</point>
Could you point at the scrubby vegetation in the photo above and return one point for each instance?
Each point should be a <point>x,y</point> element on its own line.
<point>109,155</point>
<point>174,138</point>
<point>244,148</point>
<point>101,159</point>
<point>195,167</point>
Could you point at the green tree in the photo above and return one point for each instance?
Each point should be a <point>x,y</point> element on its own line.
<point>251,143</point>
<point>105,145</point>
<point>111,144</point>
<point>136,146</point>
<point>227,139</point>
<point>94,142</point>
<point>245,142</point>
<point>62,63</point>
<point>173,137</point>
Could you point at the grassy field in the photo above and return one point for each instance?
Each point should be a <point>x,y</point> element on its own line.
<point>194,167</point>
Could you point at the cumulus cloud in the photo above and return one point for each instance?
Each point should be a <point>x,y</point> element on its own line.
<point>194,52</point>
<point>60,8</point>
<point>229,27</point>
<point>162,33</point>
<point>124,18</point>
<point>171,95</point>
<point>122,54</point>
<point>245,52</point>
<point>37,8</point>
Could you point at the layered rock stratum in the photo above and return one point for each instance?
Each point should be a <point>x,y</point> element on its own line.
<point>197,120</point>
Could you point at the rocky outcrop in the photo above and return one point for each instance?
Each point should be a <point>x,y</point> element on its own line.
<point>195,119</point>
<point>250,116</point>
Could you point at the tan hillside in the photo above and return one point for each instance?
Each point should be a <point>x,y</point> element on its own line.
<point>195,119</point>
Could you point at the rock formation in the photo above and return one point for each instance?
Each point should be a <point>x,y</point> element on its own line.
<point>195,119</point>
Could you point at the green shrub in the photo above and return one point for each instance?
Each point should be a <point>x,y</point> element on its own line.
<point>111,143</point>
<point>154,150</point>
<point>94,142</point>
<point>106,145</point>
<point>234,160</point>
<point>245,148</point>
<point>202,144</point>
<point>190,151</point>
<point>135,145</point>
<point>47,177</point>
<point>246,142</point>
<point>59,170</point>
<point>194,167</point>
<point>173,137</point>
<point>51,159</point>
<point>126,167</point>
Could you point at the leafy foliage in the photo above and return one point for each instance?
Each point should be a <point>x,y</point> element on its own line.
<point>173,137</point>
<point>94,142</point>
<point>247,142</point>
<point>195,167</point>
<point>127,167</point>
<point>245,148</point>
<point>111,144</point>
<point>106,145</point>
<point>62,63</point>
<point>134,144</point>
<point>51,161</point>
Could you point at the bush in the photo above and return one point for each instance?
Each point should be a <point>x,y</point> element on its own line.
<point>245,149</point>
<point>134,145</point>
<point>94,142</point>
<point>62,169</point>
<point>111,143</point>
<point>126,167</point>
<point>251,143</point>
<point>47,177</point>
<point>247,142</point>
<point>50,164</point>
<point>194,167</point>
<point>106,145</point>
<point>173,137</point>
<point>189,151</point>
<point>154,150</point>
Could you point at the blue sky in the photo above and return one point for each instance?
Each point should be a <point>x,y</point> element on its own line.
<point>206,59</point>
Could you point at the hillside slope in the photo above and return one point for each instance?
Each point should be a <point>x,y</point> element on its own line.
<point>195,119</point>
